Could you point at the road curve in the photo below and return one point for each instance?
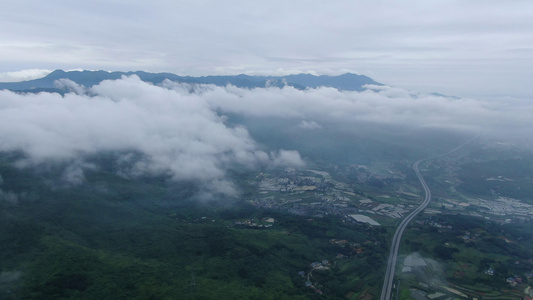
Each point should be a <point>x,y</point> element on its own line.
<point>386,291</point>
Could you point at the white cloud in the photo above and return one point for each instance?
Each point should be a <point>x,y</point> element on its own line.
<point>178,130</point>
<point>23,75</point>
<point>70,86</point>
<point>309,125</point>
<point>73,174</point>
<point>178,133</point>
<point>380,104</point>
<point>289,158</point>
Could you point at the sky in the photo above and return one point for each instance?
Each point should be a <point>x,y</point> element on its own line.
<point>465,48</point>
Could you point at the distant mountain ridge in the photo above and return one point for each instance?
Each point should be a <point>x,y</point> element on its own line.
<point>348,81</point>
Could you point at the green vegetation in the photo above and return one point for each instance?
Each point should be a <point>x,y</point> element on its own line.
<point>117,238</point>
<point>467,250</point>
<point>153,238</point>
<point>507,177</point>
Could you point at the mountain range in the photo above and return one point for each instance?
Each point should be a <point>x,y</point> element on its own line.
<point>348,81</point>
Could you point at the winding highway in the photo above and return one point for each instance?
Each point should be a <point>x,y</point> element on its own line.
<point>386,291</point>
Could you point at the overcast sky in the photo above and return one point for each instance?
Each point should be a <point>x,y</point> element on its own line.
<point>465,48</point>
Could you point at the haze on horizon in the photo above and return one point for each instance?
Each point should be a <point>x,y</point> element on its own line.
<point>462,48</point>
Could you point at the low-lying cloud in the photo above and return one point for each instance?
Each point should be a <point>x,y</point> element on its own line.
<point>309,125</point>
<point>23,75</point>
<point>178,134</point>
<point>377,104</point>
<point>181,129</point>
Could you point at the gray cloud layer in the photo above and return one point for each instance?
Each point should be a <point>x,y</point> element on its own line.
<point>177,132</point>
<point>183,134</point>
<point>378,104</point>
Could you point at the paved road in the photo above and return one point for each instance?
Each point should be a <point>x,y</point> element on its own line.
<point>386,291</point>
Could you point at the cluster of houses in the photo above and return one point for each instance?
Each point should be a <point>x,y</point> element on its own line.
<point>467,238</point>
<point>438,225</point>
<point>254,223</point>
<point>324,265</point>
<point>530,275</point>
<point>356,247</point>
<point>339,242</point>
<point>311,286</point>
<point>514,281</point>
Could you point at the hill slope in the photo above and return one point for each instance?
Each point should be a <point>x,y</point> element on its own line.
<point>350,82</point>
